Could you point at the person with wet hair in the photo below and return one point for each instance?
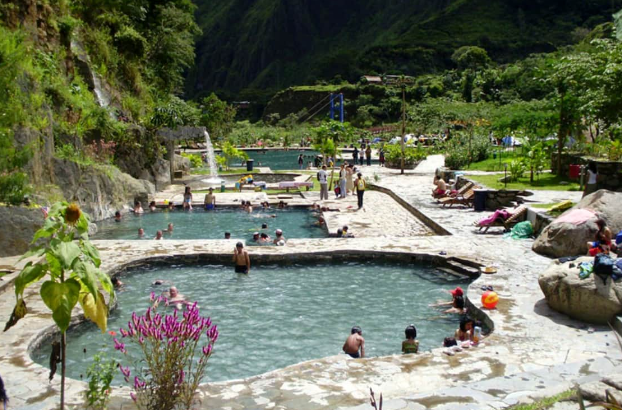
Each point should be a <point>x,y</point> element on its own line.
<point>355,343</point>
<point>241,259</point>
<point>457,306</point>
<point>465,331</point>
<point>410,345</point>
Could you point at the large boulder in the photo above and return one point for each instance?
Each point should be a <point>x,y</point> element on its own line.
<point>568,239</point>
<point>182,164</point>
<point>19,225</point>
<point>100,191</point>
<point>590,300</point>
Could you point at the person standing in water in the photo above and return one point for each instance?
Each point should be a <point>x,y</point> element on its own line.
<point>241,259</point>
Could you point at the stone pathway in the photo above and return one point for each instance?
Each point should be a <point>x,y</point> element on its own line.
<point>533,351</point>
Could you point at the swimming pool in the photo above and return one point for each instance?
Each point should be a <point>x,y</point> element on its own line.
<point>280,315</point>
<point>281,159</point>
<point>201,224</point>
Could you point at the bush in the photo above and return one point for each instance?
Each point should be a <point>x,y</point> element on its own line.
<point>412,156</point>
<point>456,159</point>
<point>130,43</point>
<point>195,159</point>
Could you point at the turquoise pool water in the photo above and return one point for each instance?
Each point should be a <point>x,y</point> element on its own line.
<point>279,160</point>
<point>280,315</point>
<point>201,224</point>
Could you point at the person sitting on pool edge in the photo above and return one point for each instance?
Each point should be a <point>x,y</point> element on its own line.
<point>241,259</point>
<point>345,232</point>
<point>280,239</point>
<point>465,331</point>
<point>210,200</point>
<point>410,345</point>
<point>354,342</point>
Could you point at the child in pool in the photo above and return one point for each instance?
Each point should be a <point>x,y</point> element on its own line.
<point>410,345</point>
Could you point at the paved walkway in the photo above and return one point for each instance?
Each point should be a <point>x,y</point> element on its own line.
<point>533,350</point>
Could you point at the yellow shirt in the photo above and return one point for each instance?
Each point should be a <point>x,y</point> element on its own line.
<point>360,184</point>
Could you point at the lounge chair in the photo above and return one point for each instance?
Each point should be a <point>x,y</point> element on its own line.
<point>507,224</point>
<point>466,199</point>
<point>459,192</point>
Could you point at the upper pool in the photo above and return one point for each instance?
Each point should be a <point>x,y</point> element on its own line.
<point>280,315</point>
<point>201,224</point>
<point>279,160</point>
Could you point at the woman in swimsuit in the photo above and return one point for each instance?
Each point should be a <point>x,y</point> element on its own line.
<point>188,199</point>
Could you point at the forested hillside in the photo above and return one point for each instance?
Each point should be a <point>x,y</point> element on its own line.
<point>251,49</point>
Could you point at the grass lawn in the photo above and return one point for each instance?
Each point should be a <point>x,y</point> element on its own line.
<point>546,182</point>
<point>495,164</point>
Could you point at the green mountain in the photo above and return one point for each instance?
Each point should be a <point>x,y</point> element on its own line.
<point>251,48</point>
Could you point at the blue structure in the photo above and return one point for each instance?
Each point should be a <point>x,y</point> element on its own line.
<point>332,107</point>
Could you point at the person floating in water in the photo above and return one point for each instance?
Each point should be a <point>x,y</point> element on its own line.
<point>410,345</point>
<point>158,236</point>
<point>210,200</point>
<point>117,216</point>
<point>141,233</point>
<point>241,259</point>
<point>354,343</point>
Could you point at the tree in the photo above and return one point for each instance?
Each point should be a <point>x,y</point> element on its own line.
<point>230,152</point>
<point>217,116</point>
<point>71,264</point>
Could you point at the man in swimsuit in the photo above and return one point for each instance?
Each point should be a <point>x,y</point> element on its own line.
<point>241,259</point>
<point>354,342</point>
<point>210,201</point>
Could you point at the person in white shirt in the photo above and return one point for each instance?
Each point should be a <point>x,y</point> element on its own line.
<point>322,177</point>
<point>592,179</point>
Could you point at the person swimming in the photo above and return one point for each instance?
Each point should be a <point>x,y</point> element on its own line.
<point>141,233</point>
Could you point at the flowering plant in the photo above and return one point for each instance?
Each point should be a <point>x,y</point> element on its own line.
<point>169,373</point>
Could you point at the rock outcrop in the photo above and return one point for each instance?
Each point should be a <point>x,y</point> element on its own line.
<point>19,225</point>
<point>590,299</point>
<point>101,190</point>
<point>567,239</point>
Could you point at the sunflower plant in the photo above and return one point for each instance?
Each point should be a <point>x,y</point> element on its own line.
<point>70,265</point>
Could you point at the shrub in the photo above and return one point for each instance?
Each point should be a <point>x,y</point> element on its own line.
<point>393,155</point>
<point>100,375</point>
<point>130,43</point>
<point>170,371</point>
<point>456,159</point>
<point>195,159</point>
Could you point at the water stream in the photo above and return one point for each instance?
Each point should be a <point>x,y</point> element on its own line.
<point>211,161</point>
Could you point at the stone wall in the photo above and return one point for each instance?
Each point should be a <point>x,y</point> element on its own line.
<point>610,173</point>
<point>19,225</point>
<point>100,191</point>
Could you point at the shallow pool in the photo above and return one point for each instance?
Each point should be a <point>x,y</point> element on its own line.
<point>284,314</point>
<point>201,224</point>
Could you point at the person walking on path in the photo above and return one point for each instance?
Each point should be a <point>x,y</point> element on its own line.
<point>355,155</point>
<point>368,154</point>
<point>301,161</point>
<point>381,157</point>
<point>322,177</point>
<point>349,180</point>
<point>361,156</point>
<point>342,181</point>
<point>360,189</point>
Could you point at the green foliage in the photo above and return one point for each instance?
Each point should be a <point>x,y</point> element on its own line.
<point>72,265</point>
<point>337,131</point>
<point>471,57</point>
<point>217,116</point>
<point>393,155</point>
<point>229,153</point>
<point>195,159</point>
<point>175,112</point>
<point>130,43</point>
<point>100,375</point>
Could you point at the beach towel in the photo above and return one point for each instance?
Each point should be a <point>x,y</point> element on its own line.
<point>499,213</point>
<point>575,217</point>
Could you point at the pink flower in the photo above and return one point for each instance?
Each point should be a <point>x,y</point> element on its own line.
<point>133,396</point>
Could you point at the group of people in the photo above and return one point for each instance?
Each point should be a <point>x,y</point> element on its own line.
<point>346,184</point>
<point>469,333</point>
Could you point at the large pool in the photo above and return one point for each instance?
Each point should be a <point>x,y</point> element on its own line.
<point>201,224</point>
<point>285,314</point>
<point>281,159</point>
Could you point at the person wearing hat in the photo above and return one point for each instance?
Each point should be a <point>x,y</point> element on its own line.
<point>455,293</point>
<point>210,200</point>
<point>354,343</point>
<point>280,239</point>
<point>241,259</point>
<point>256,237</point>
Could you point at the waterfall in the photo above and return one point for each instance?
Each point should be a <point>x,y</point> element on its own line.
<point>211,161</point>
<point>103,99</point>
